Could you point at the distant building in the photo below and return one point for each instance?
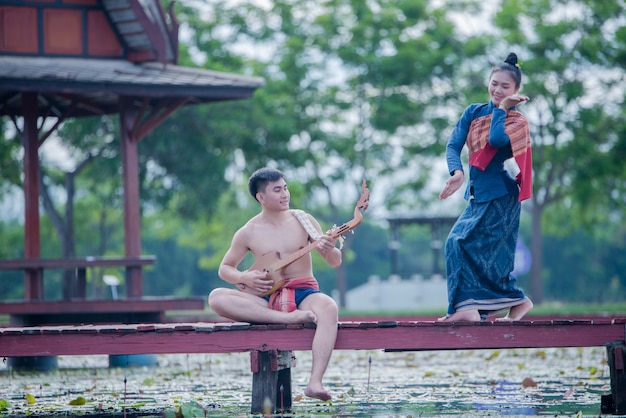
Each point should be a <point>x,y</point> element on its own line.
<point>396,294</point>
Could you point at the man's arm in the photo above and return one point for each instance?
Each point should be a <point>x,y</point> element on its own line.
<point>229,272</point>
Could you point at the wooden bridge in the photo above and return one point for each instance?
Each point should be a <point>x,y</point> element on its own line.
<point>270,345</point>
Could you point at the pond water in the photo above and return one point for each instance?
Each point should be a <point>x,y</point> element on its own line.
<point>565,382</point>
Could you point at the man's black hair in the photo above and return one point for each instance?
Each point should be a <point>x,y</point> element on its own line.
<point>259,179</point>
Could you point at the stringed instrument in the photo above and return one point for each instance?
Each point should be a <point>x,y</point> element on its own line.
<point>276,267</point>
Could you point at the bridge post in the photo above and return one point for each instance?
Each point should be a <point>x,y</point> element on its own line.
<point>615,403</point>
<point>271,381</point>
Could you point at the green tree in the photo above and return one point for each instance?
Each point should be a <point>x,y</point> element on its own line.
<point>358,90</point>
<point>351,91</point>
<point>10,147</point>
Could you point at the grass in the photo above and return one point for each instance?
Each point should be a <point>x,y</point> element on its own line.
<point>559,308</point>
<point>544,309</point>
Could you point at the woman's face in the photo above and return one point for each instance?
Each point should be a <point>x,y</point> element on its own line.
<point>501,85</point>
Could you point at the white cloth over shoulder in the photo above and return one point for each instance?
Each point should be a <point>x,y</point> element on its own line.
<point>306,224</point>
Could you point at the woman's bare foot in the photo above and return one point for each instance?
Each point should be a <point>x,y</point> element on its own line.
<point>317,392</point>
<point>471,315</point>
<point>517,312</point>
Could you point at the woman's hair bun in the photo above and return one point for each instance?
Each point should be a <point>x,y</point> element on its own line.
<point>511,59</point>
<point>512,66</point>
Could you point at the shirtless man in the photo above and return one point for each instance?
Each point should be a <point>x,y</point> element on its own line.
<point>276,230</point>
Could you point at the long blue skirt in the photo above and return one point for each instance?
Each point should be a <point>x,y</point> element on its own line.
<point>480,256</point>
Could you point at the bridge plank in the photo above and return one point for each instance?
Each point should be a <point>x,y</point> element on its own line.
<point>242,337</point>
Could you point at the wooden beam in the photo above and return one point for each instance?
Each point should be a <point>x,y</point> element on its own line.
<point>130,181</point>
<point>83,103</point>
<point>160,112</point>
<point>243,337</point>
<point>33,280</point>
<point>60,119</point>
<point>74,263</point>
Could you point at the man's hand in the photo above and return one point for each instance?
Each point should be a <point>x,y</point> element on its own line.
<point>258,280</point>
<point>452,185</point>
<point>327,249</point>
<point>325,244</point>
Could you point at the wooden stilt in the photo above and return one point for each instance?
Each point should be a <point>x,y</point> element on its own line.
<point>271,381</point>
<point>286,361</point>
<point>615,403</point>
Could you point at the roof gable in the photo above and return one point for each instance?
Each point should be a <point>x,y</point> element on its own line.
<point>82,56</point>
<point>144,29</point>
<point>136,30</point>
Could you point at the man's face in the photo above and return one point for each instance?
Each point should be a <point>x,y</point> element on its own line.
<point>276,195</point>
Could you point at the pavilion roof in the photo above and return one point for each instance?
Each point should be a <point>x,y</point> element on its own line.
<point>93,86</point>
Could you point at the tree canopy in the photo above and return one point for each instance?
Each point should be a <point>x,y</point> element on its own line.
<point>359,90</point>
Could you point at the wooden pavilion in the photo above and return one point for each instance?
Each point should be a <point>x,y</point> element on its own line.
<point>62,59</point>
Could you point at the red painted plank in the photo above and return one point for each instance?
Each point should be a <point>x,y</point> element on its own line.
<point>477,337</point>
<point>241,337</point>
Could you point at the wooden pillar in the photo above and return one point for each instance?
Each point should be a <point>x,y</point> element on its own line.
<point>33,279</point>
<point>615,403</point>
<point>130,177</point>
<point>283,394</point>
<point>271,381</point>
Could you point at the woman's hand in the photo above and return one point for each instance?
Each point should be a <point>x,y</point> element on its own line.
<point>510,101</point>
<point>452,185</point>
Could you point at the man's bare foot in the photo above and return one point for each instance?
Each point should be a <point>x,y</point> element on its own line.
<point>301,316</point>
<point>317,392</point>
<point>517,312</point>
<point>471,315</point>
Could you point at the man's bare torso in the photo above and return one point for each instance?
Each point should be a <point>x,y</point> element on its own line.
<point>271,241</point>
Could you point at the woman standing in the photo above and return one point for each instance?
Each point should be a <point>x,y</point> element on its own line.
<point>480,249</point>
